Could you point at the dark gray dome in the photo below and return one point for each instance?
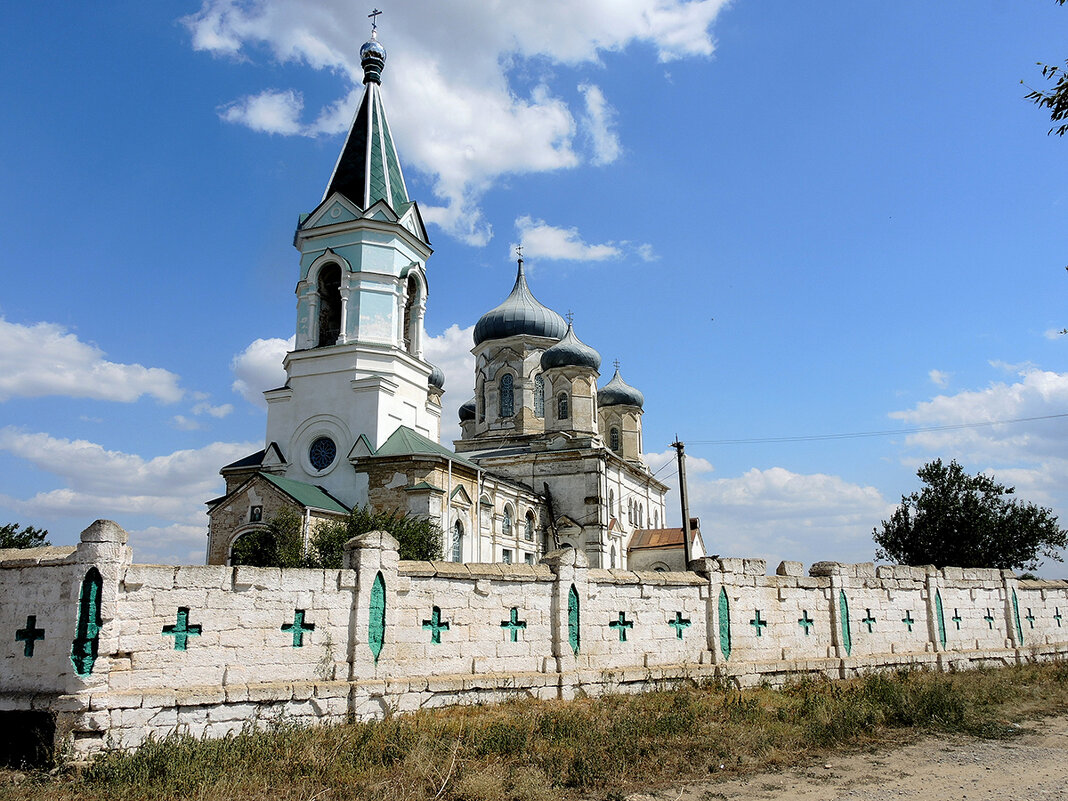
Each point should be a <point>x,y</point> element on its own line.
<point>437,378</point>
<point>519,314</point>
<point>570,352</point>
<point>618,392</point>
<point>467,411</point>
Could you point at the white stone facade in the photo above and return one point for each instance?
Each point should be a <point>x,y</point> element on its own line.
<point>383,635</point>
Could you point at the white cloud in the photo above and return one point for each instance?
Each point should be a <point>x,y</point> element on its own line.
<point>451,351</point>
<point>218,412</point>
<point>271,111</point>
<point>598,122</point>
<point>1055,333</point>
<point>259,367</point>
<point>544,241</point>
<point>938,378</point>
<point>775,514</point>
<point>44,359</point>
<point>174,544</point>
<point>112,484</point>
<point>646,253</point>
<point>1033,454</point>
<point>183,423</point>
<point>454,110</point>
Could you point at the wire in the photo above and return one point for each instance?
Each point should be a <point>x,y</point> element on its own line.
<point>883,433</point>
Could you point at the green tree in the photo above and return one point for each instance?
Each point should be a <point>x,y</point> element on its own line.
<point>1056,100</point>
<point>419,537</point>
<point>13,535</point>
<point>280,543</point>
<point>967,521</point>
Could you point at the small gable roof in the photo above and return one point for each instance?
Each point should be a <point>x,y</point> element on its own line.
<point>307,494</point>
<point>267,455</point>
<point>406,442</point>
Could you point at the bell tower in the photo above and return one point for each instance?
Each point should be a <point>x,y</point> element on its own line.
<point>357,371</point>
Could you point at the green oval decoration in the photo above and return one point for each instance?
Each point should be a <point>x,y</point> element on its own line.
<point>376,625</point>
<point>940,617</point>
<point>83,650</point>
<point>724,623</point>
<point>1016,617</point>
<point>573,634</point>
<point>843,608</point>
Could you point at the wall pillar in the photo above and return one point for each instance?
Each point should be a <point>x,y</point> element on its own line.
<point>570,597</point>
<point>372,618</point>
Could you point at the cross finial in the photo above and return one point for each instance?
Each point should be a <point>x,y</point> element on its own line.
<point>519,251</point>
<point>616,363</point>
<point>570,317</point>
<point>374,20</point>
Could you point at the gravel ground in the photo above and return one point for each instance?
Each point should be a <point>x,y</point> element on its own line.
<point>1030,767</point>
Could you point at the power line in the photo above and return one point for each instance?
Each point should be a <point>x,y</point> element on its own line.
<point>883,433</point>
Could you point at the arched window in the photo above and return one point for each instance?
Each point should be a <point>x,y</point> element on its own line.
<point>641,516</point>
<point>562,412</point>
<point>458,542</point>
<point>539,396</point>
<point>656,518</point>
<point>481,401</point>
<point>528,529</point>
<point>507,401</point>
<point>506,522</point>
<point>412,292</point>
<point>329,287</point>
<point>630,512</point>
<point>611,503</point>
<point>613,439</point>
<point>612,557</point>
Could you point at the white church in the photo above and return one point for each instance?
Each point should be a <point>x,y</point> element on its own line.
<point>546,459</point>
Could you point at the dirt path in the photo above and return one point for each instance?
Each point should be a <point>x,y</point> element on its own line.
<point>1029,767</point>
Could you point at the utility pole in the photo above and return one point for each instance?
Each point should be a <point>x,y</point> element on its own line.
<point>681,449</point>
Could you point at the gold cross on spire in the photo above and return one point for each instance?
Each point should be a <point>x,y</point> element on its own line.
<point>374,19</point>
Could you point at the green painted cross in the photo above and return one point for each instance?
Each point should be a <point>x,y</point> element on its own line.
<point>679,623</point>
<point>1029,617</point>
<point>514,624</point>
<point>989,618</point>
<point>182,630</point>
<point>907,619</point>
<point>804,621</point>
<point>956,618</point>
<point>758,624</point>
<point>869,621</point>
<point>29,635</point>
<point>621,626</point>
<point>436,625</point>
<point>1057,616</point>
<point>298,627</point>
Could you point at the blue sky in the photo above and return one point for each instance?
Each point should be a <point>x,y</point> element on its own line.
<point>784,219</point>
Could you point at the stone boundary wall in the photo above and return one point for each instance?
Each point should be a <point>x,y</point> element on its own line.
<point>118,652</point>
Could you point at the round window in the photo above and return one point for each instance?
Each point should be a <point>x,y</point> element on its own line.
<point>322,453</point>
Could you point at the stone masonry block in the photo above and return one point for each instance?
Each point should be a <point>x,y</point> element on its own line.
<point>790,569</point>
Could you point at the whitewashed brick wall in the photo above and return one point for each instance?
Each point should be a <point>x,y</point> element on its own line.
<point>264,643</point>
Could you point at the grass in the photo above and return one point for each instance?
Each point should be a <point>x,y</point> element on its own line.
<point>536,751</point>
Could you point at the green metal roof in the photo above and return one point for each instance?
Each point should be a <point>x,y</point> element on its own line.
<point>306,494</point>
<point>423,486</point>
<point>368,169</point>
<point>406,442</point>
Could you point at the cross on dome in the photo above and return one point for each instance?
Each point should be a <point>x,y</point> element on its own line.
<point>374,20</point>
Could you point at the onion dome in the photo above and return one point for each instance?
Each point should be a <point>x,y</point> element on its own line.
<point>570,352</point>
<point>467,411</point>
<point>521,313</point>
<point>437,378</point>
<point>372,59</point>
<point>618,392</point>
